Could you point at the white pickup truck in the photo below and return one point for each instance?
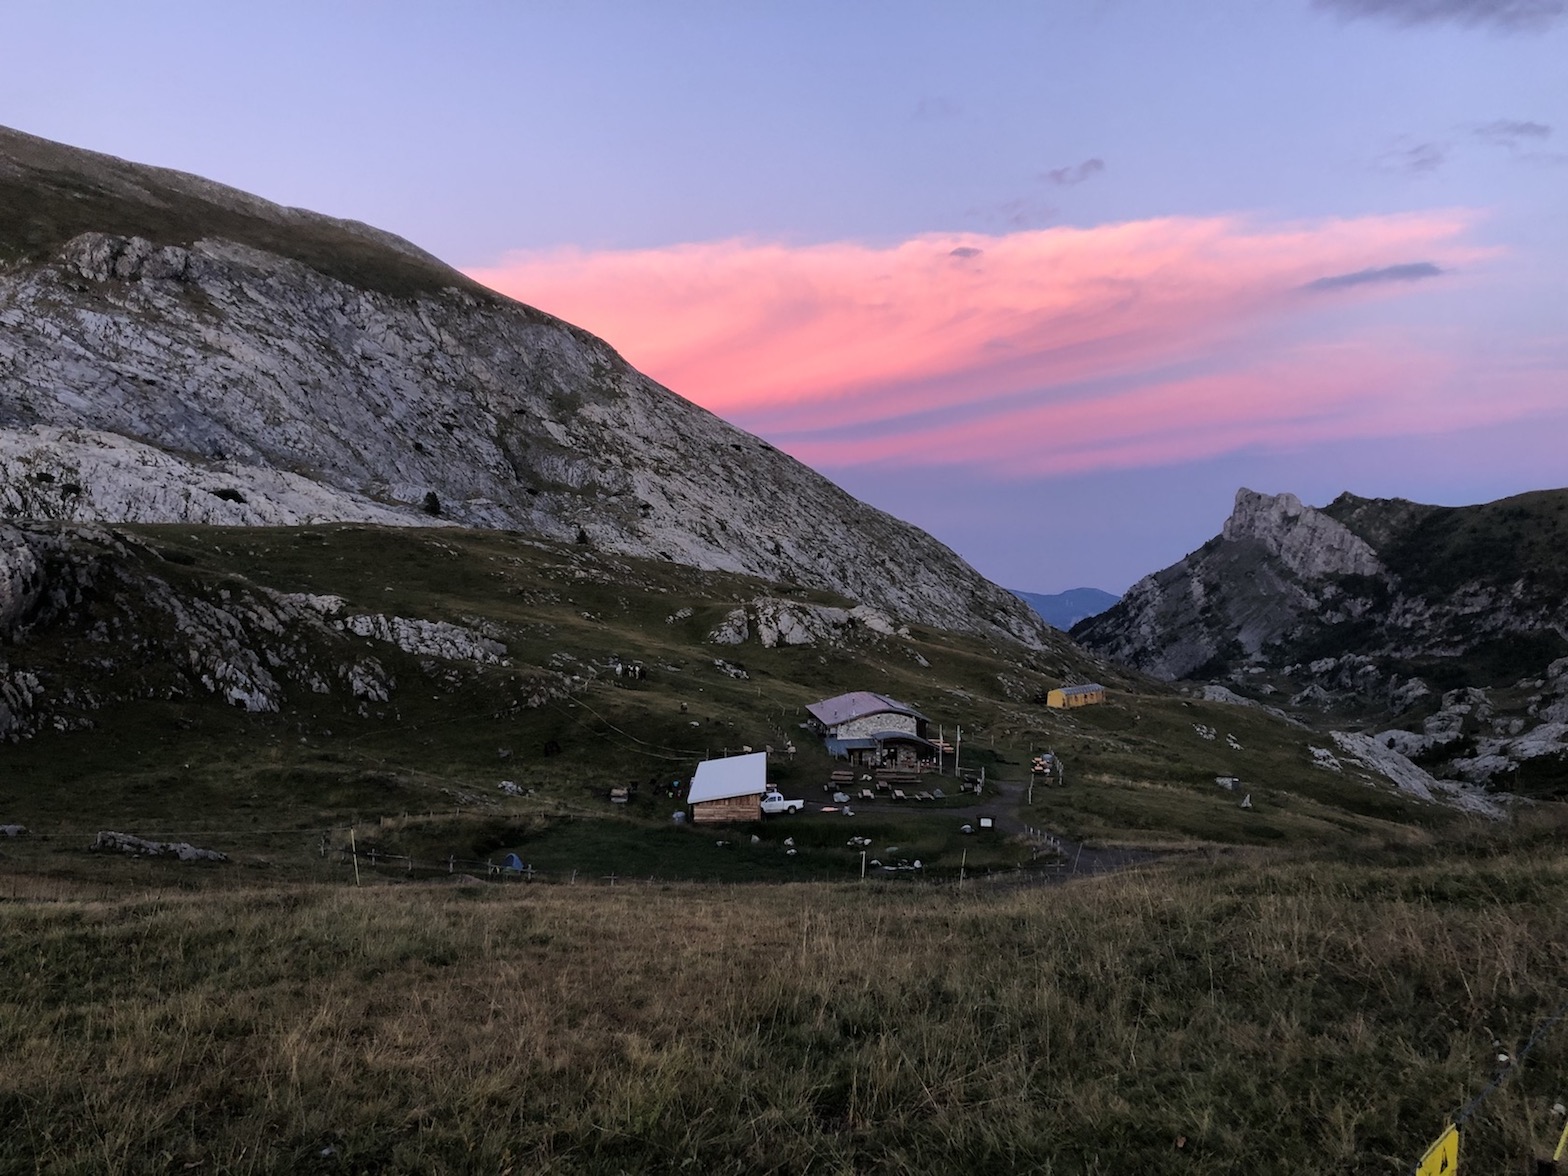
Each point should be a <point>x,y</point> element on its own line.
<point>774,802</point>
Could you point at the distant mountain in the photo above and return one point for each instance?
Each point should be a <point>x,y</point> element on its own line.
<point>1448,625</point>
<point>172,350</point>
<point>1063,610</point>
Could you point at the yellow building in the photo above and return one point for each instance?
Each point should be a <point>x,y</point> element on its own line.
<point>1066,697</point>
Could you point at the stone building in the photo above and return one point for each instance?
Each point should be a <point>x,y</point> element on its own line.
<point>872,730</point>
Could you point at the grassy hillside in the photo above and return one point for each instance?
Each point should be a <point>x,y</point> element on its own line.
<point>50,193</point>
<point>157,753</point>
<point>1515,550</point>
<point>1434,549</point>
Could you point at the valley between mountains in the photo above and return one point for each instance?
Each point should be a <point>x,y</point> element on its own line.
<point>361,631</point>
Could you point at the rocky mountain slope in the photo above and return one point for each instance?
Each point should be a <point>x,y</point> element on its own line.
<point>1446,625</point>
<point>175,351</point>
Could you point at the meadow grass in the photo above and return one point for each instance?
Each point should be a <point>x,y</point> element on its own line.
<point>1238,1015</point>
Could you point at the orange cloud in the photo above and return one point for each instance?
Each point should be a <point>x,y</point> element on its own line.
<point>961,347</point>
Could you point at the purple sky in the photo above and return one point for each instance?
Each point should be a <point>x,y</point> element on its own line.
<point>1048,280</point>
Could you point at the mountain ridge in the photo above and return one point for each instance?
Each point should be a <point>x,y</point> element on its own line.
<point>1447,627</point>
<point>1063,610</point>
<point>317,369</point>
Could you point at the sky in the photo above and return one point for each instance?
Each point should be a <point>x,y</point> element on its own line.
<point>1050,280</point>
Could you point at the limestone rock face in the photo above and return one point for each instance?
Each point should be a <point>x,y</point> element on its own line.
<point>21,577</point>
<point>1242,592</point>
<point>430,638</point>
<point>231,361</point>
<point>777,622</point>
<point>1306,542</point>
<point>88,474</point>
<point>1375,609</point>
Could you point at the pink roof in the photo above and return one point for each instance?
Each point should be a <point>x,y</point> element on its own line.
<point>857,704</point>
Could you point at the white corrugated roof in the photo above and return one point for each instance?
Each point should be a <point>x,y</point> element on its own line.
<point>739,775</point>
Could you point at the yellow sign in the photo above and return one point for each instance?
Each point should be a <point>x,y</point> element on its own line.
<point>1442,1158</point>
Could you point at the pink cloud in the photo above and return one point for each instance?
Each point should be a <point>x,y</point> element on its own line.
<point>965,347</point>
<point>1307,394</point>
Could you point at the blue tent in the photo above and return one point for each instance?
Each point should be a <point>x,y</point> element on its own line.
<point>513,862</point>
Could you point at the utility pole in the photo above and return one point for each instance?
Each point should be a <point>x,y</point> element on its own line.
<point>958,746</point>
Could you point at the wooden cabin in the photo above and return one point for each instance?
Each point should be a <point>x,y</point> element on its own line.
<point>731,789</point>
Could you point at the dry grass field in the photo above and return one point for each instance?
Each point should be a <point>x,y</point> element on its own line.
<point>1236,1015</point>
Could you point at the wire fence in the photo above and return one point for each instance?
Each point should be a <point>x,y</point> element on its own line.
<point>384,864</point>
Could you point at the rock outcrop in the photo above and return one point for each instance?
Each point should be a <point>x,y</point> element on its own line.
<point>175,351</point>
<point>1240,593</point>
<point>774,622</point>
<point>109,841</point>
<point>1441,626</point>
<point>1307,543</point>
<point>135,634</point>
<point>21,578</point>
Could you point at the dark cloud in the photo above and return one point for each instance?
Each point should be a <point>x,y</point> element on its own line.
<point>1410,271</point>
<point>1014,214</point>
<point>965,251</point>
<point>1068,176</point>
<point>1414,158</point>
<point>1510,132</point>
<point>1511,16</point>
<point>1025,214</point>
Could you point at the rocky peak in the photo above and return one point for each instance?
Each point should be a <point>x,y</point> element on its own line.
<point>1374,610</point>
<point>1306,541</point>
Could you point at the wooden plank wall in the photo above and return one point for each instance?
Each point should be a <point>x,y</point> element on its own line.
<point>734,808</point>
